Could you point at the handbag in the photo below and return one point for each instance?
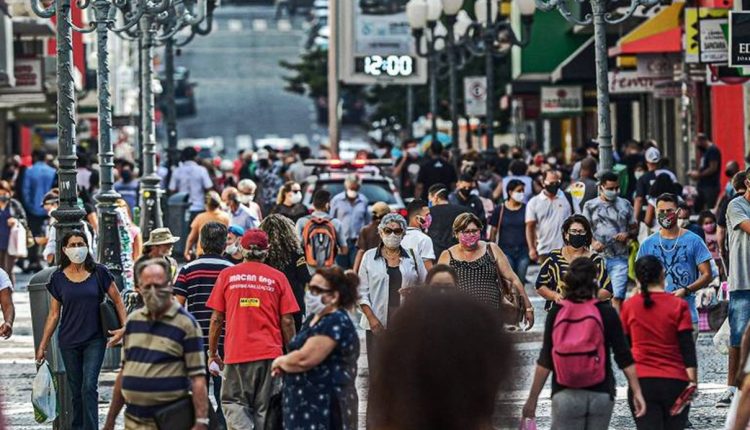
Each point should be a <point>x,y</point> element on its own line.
<point>17,241</point>
<point>107,312</point>
<point>274,415</point>
<point>511,301</point>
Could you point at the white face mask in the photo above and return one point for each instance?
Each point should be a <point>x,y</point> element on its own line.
<point>392,240</point>
<point>296,197</point>
<point>518,196</point>
<point>314,304</point>
<point>77,255</point>
<point>352,194</point>
<point>683,222</point>
<point>231,249</point>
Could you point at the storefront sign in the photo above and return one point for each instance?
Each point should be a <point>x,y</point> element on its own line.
<point>704,38</point>
<point>563,100</point>
<point>739,39</point>
<point>632,82</point>
<point>29,77</point>
<point>713,45</point>
<point>475,95</point>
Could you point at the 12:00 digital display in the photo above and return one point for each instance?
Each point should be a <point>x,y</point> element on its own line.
<point>388,66</point>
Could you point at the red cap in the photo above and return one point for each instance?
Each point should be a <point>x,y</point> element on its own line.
<point>254,237</point>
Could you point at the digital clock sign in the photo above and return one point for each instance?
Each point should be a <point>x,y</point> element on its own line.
<point>393,66</point>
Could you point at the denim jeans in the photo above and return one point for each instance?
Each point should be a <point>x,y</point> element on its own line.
<point>518,257</point>
<point>82,366</point>
<point>346,261</point>
<point>617,269</point>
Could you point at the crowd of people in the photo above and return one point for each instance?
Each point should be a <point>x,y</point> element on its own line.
<point>263,301</point>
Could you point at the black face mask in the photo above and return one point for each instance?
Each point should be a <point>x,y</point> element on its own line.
<point>464,192</point>
<point>552,188</point>
<point>730,173</point>
<point>127,175</point>
<point>578,240</point>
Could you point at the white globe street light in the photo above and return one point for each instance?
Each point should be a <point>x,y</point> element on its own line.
<point>526,7</point>
<point>451,7</point>
<point>434,10</point>
<point>416,14</point>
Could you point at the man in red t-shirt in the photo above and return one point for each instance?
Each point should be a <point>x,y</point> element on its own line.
<point>257,303</point>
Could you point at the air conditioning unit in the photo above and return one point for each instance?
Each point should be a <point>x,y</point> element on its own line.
<point>7,76</point>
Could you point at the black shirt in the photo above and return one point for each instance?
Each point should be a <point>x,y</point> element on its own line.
<point>294,212</point>
<point>435,171</point>
<point>712,153</point>
<point>473,204</point>
<point>615,342</point>
<point>441,229</point>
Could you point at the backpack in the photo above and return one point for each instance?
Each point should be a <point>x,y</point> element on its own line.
<point>319,242</point>
<point>578,346</point>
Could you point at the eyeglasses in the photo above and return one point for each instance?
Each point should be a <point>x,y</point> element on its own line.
<point>576,232</point>
<point>396,231</point>
<point>316,290</point>
<point>76,245</point>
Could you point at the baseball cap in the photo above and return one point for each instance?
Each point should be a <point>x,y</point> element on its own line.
<point>653,155</point>
<point>254,237</point>
<point>236,230</point>
<point>380,209</point>
<point>50,197</point>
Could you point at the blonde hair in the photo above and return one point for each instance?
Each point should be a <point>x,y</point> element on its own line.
<point>287,187</point>
<point>462,221</point>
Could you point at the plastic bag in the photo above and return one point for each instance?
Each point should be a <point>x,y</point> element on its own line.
<point>527,424</point>
<point>732,413</point>
<point>721,338</point>
<point>17,241</point>
<point>44,395</point>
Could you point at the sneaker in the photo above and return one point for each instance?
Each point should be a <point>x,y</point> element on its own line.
<point>725,400</point>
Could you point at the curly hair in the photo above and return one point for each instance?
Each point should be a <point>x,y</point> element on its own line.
<point>283,244</point>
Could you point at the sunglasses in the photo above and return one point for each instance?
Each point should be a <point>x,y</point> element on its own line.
<point>396,231</point>
<point>317,290</point>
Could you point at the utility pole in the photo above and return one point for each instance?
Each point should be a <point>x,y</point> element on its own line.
<point>333,78</point>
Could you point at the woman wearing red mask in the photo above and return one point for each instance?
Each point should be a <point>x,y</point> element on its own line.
<point>481,265</point>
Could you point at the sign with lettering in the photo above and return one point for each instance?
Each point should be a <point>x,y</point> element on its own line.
<point>713,43</point>
<point>29,77</point>
<point>562,100</point>
<point>630,82</point>
<point>739,39</point>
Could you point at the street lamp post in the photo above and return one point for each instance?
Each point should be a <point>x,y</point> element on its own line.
<point>599,17</point>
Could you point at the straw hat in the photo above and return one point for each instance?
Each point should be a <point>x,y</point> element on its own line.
<point>161,236</point>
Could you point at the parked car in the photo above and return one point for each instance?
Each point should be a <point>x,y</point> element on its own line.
<point>184,94</point>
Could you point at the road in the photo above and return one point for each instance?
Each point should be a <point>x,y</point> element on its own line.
<point>17,371</point>
<point>240,90</point>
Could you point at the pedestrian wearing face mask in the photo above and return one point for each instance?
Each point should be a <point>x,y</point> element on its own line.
<point>420,219</point>
<point>545,214</point>
<point>613,226</point>
<point>241,214</point>
<point>321,368</point>
<point>466,195</point>
<point>481,266</point>
<point>127,186</point>
<point>577,237</point>
<point>288,202</point>
<point>76,289</point>
<point>350,208</point>
<point>507,228</point>
<point>213,213</point>
<point>386,273</point>
<point>247,189</point>
<point>232,249</point>
<point>684,255</point>
<point>11,213</point>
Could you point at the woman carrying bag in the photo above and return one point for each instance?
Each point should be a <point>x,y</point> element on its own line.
<point>12,216</point>
<point>79,289</point>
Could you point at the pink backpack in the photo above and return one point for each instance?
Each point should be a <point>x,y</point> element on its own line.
<point>578,350</point>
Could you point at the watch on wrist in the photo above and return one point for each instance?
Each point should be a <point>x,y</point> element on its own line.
<point>203,421</point>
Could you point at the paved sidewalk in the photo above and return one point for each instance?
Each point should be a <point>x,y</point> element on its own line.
<point>17,371</point>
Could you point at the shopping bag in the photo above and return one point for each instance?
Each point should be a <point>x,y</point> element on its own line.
<point>721,338</point>
<point>44,395</point>
<point>527,424</point>
<point>17,241</point>
<point>732,413</point>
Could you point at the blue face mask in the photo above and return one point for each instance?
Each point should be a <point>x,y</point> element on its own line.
<point>396,153</point>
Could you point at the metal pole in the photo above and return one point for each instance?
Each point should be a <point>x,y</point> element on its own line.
<point>489,64</point>
<point>333,79</point>
<point>410,110</point>
<point>602,86</point>
<point>138,150</point>
<point>109,238</point>
<point>451,50</point>
<point>171,117</point>
<point>151,217</point>
<point>432,66</point>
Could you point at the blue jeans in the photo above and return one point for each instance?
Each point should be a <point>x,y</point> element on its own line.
<point>518,257</point>
<point>739,315</point>
<point>82,366</point>
<point>346,261</point>
<point>617,269</point>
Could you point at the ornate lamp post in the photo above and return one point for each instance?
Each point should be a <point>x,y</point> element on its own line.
<point>599,17</point>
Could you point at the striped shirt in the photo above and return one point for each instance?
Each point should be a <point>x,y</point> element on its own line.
<point>195,281</point>
<point>159,357</point>
<point>555,267</point>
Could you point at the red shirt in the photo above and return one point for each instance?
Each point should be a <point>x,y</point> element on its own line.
<point>653,333</point>
<point>253,296</point>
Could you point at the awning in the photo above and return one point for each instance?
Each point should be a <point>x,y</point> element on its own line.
<point>660,34</point>
<point>33,27</point>
<point>579,66</point>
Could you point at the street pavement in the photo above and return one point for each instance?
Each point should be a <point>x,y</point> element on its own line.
<point>17,371</point>
<point>240,93</point>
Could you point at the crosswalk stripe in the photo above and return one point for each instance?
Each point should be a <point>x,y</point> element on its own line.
<point>260,25</point>
<point>234,25</point>
<point>284,25</point>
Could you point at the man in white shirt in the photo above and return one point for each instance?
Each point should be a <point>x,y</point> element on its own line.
<point>191,178</point>
<point>419,219</point>
<point>545,214</point>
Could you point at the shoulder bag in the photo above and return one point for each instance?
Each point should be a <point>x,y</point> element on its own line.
<point>107,312</point>
<point>511,301</point>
